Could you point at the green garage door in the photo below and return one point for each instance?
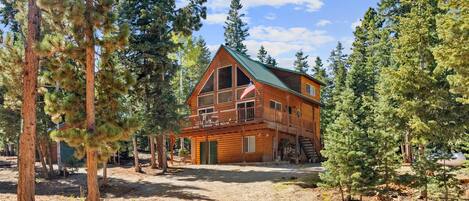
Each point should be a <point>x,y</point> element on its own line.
<point>212,152</point>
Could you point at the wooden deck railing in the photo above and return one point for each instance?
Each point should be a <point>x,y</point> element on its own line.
<point>249,114</point>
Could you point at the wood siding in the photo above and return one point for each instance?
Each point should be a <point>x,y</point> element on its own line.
<point>230,146</point>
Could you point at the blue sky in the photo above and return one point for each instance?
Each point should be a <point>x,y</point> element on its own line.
<point>286,26</point>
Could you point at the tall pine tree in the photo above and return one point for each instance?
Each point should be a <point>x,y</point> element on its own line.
<point>152,25</point>
<point>301,62</point>
<point>262,54</point>
<point>236,30</point>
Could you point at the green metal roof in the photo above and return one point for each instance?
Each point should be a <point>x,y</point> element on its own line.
<point>263,74</point>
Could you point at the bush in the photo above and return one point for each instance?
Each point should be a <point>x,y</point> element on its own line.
<point>183,152</point>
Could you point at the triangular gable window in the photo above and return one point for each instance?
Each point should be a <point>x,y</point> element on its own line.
<point>241,78</point>
<point>208,87</point>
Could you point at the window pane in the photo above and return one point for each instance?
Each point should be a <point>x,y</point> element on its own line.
<point>272,104</point>
<point>278,106</point>
<point>224,78</point>
<point>245,144</point>
<point>249,104</point>
<point>241,78</point>
<point>208,87</point>
<point>205,100</point>
<point>252,144</point>
<point>224,97</point>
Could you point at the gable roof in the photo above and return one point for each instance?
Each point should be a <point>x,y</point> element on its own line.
<point>262,73</point>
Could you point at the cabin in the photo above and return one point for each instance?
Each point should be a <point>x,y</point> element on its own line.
<point>278,120</point>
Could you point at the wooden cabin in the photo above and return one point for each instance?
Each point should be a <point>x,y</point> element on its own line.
<point>279,120</point>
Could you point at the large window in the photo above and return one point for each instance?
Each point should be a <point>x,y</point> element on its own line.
<point>224,78</point>
<point>241,78</point>
<point>275,105</point>
<point>249,144</point>
<point>225,96</point>
<point>310,90</point>
<point>205,100</point>
<point>206,111</point>
<point>208,87</point>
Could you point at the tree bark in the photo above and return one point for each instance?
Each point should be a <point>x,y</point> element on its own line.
<point>49,159</point>
<point>91,158</point>
<point>44,171</point>
<point>163,155</point>
<point>159,146</point>
<point>105,173</point>
<point>152,152</point>
<point>136,162</point>
<point>92,175</point>
<point>27,144</point>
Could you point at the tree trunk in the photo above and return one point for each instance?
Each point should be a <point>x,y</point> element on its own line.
<point>92,175</point>
<point>159,146</point>
<point>163,155</point>
<point>152,152</point>
<point>49,158</point>
<point>408,148</point>
<point>27,144</point>
<point>91,158</point>
<point>136,162</point>
<point>44,171</point>
<point>105,173</point>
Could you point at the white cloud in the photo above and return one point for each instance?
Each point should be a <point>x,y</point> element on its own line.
<point>310,5</point>
<point>216,18</point>
<point>213,48</point>
<point>271,16</point>
<point>282,43</point>
<point>294,35</point>
<point>355,24</point>
<point>323,22</point>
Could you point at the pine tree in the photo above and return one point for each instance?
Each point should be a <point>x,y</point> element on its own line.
<point>301,62</point>
<point>428,112</point>
<point>338,66</point>
<point>318,70</point>
<point>27,146</point>
<point>452,52</point>
<point>70,63</point>
<point>262,54</point>
<point>152,26</point>
<point>236,30</point>
<point>271,61</point>
<point>343,150</point>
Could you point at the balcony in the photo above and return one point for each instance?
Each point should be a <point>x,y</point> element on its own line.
<point>223,118</point>
<point>274,119</point>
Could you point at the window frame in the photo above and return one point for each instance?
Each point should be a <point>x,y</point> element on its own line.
<point>203,85</point>
<point>275,105</point>
<point>251,140</point>
<point>313,90</point>
<point>206,108</point>
<point>203,95</point>
<point>218,77</point>
<point>224,91</point>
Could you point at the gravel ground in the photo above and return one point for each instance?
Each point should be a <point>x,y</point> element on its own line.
<point>183,182</point>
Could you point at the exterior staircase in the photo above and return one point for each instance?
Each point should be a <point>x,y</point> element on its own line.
<point>308,148</point>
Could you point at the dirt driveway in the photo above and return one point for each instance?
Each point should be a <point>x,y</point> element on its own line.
<point>189,182</point>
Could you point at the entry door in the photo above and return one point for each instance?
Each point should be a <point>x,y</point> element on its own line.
<point>212,152</point>
<point>245,111</point>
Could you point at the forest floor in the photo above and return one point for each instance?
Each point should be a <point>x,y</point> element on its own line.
<point>187,182</point>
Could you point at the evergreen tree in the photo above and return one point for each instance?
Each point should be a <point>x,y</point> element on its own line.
<point>152,26</point>
<point>428,112</point>
<point>262,54</point>
<point>236,30</point>
<point>338,66</point>
<point>318,70</point>
<point>271,61</point>
<point>452,52</point>
<point>301,62</point>
<point>343,150</point>
<point>70,65</point>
